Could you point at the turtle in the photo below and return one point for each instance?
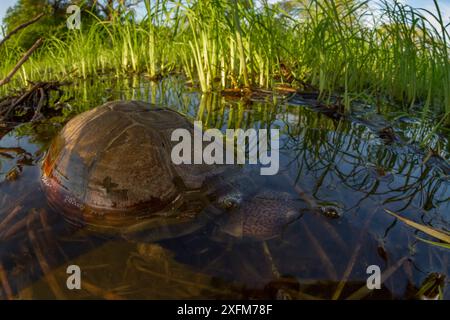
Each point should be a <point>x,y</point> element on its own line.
<point>110,170</point>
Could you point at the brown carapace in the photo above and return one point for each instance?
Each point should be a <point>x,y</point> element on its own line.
<point>111,167</point>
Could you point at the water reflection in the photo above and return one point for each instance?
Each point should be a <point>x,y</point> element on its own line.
<point>340,164</point>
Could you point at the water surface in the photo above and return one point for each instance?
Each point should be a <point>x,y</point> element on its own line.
<point>343,163</point>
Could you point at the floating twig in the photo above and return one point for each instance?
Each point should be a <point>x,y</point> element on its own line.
<point>174,279</point>
<point>25,57</point>
<point>335,235</point>
<point>16,150</point>
<point>364,291</point>
<point>99,292</point>
<point>268,254</point>
<point>31,104</point>
<point>322,254</point>
<point>352,261</point>
<point>5,284</point>
<point>49,276</point>
<point>43,217</point>
<point>37,113</point>
<point>22,26</point>
<point>14,213</point>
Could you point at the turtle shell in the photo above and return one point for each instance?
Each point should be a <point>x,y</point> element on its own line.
<point>111,167</point>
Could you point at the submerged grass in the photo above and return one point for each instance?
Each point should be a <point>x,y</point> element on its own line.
<point>377,49</point>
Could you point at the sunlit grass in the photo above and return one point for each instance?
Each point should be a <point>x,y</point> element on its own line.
<point>396,53</point>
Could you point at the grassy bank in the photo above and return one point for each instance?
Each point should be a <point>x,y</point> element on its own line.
<point>395,52</point>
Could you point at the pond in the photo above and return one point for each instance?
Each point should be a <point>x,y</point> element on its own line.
<point>345,163</point>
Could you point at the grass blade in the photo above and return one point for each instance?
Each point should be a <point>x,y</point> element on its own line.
<point>441,235</point>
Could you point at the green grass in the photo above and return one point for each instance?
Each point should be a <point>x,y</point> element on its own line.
<point>398,53</point>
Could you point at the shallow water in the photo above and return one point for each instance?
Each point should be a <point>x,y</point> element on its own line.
<point>341,163</point>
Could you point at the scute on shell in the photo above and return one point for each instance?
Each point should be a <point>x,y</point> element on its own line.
<point>114,163</point>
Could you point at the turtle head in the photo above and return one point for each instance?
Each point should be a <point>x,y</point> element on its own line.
<point>331,212</point>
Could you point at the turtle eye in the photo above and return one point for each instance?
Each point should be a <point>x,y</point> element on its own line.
<point>230,201</point>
